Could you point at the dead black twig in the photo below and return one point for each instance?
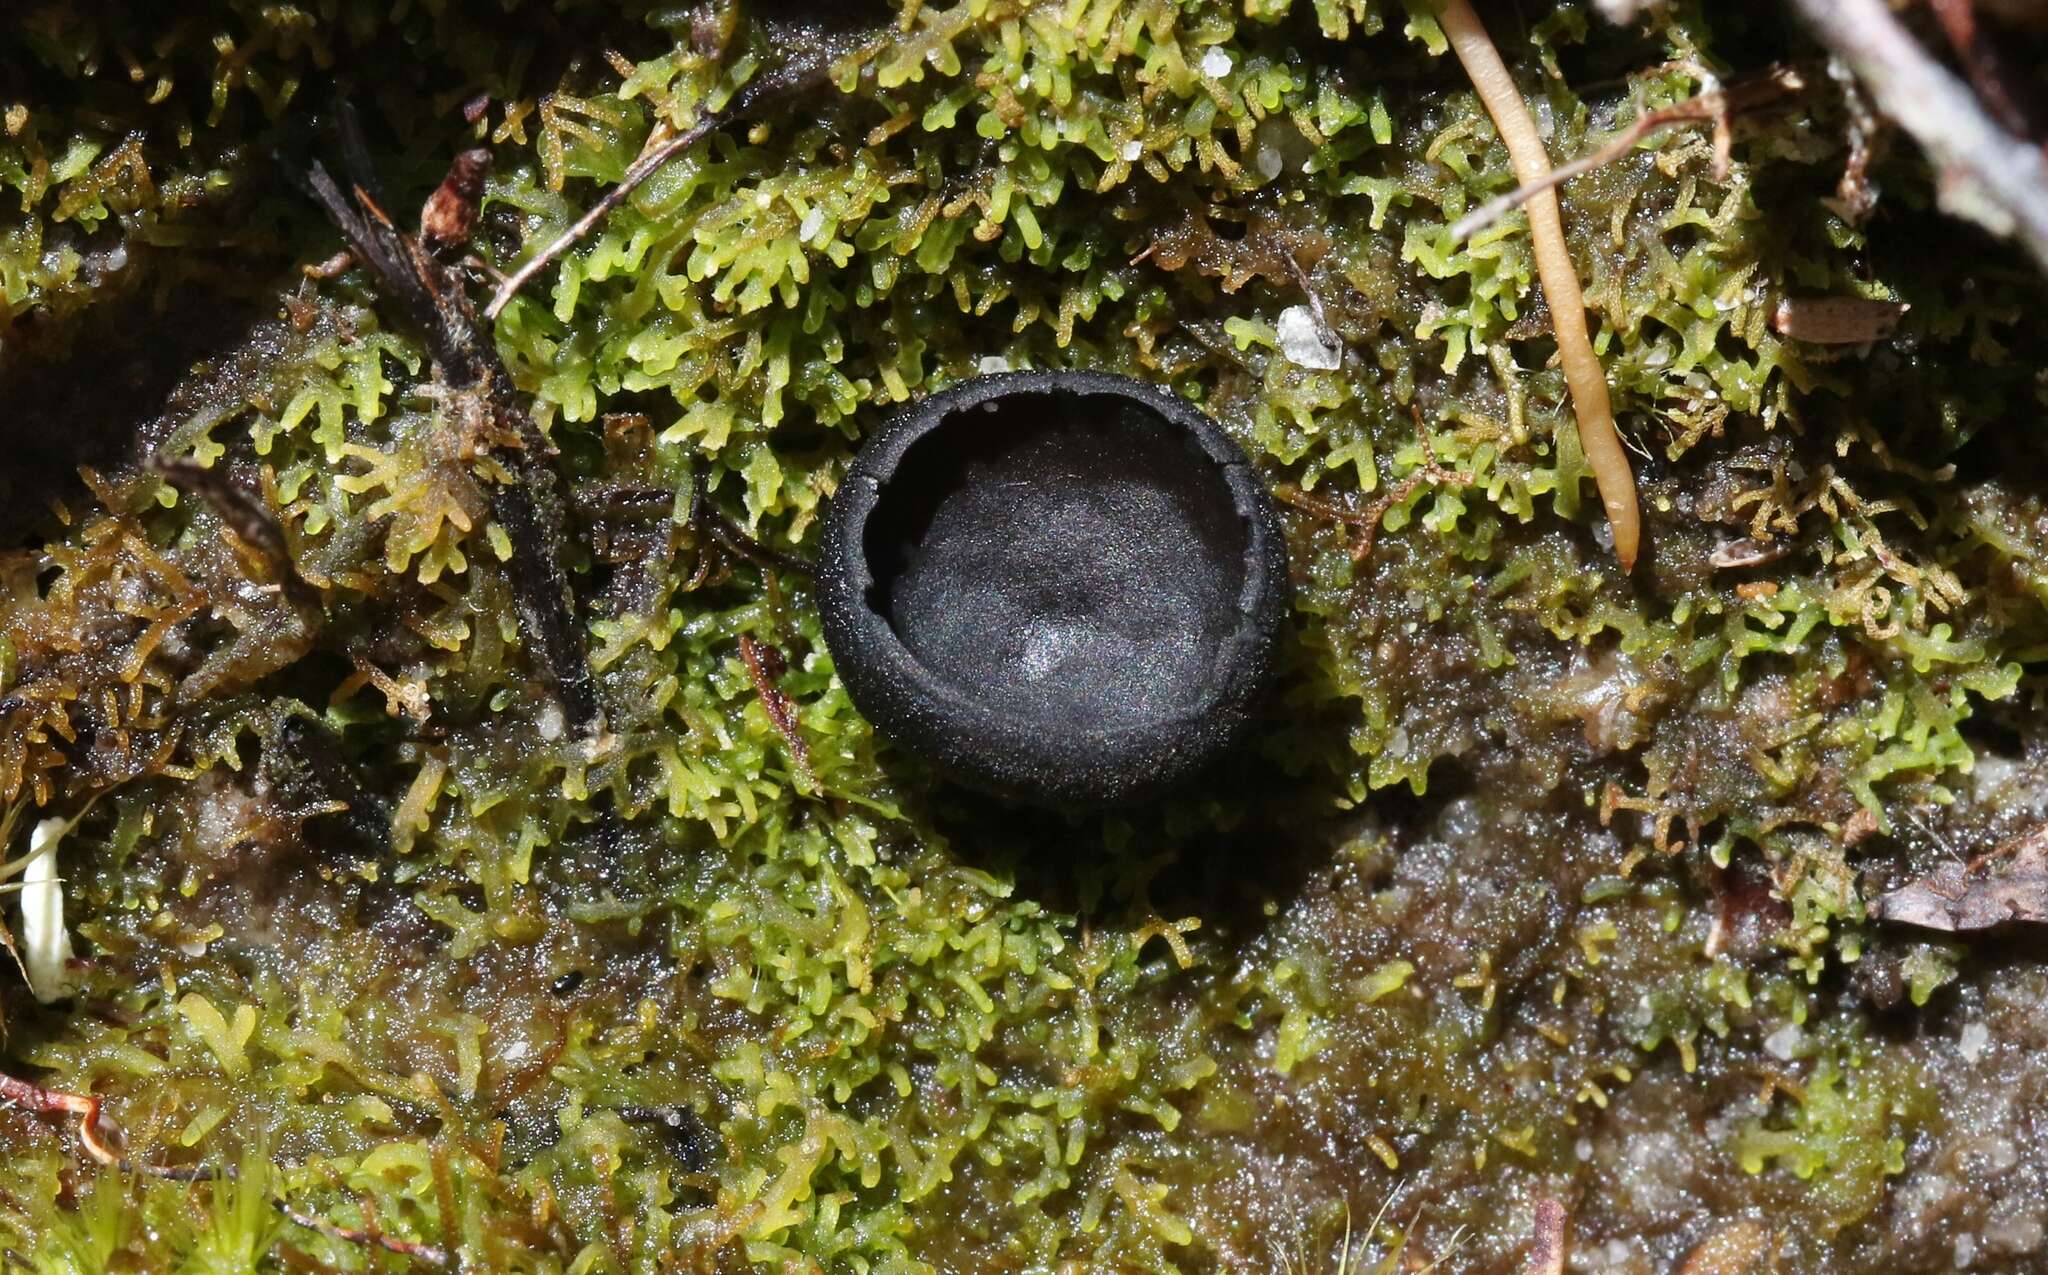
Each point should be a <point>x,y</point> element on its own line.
<point>303,762</point>
<point>1983,173</point>
<point>257,534</point>
<point>705,517</point>
<point>516,458</point>
<point>1716,107</point>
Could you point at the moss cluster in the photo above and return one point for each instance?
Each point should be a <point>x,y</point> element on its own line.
<point>1534,860</point>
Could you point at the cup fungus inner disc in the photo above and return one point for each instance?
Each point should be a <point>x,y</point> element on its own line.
<point>1047,576</point>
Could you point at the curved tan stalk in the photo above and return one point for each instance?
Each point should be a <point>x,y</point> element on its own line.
<point>1582,370</point>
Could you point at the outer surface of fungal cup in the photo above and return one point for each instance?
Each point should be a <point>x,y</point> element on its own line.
<point>1065,588</point>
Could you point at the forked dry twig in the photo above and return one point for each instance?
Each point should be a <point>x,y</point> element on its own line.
<point>1715,107</point>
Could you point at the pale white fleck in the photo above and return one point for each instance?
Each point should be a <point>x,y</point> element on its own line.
<point>1045,650</point>
<point>45,943</point>
<point>1307,343</point>
<point>550,723</point>
<point>1583,1149</point>
<point>1966,1250</point>
<point>992,363</point>
<point>1133,149</point>
<point>813,222</point>
<point>1216,63</point>
<point>1973,1041</point>
<point>1785,1043</point>
<point>1024,82</point>
<point>2014,1235</point>
<point>1269,160</point>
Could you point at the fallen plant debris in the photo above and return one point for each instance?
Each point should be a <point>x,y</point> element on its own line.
<point>483,409</point>
<point>1986,174</point>
<point>1539,881</point>
<point>1837,320</point>
<point>1591,404</point>
<point>1716,106</point>
<point>765,667</point>
<point>2006,886</point>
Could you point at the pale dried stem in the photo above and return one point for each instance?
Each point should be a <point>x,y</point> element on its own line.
<point>652,156</point>
<point>1985,174</point>
<point>1713,107</point>
<point>1598,437</point>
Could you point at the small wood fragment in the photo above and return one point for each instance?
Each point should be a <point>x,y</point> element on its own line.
<point>765,667</point>
<point>1837,320</point>
<point>1547,1254</point>
<point>1739,1248</point>
<point>2008,885</point>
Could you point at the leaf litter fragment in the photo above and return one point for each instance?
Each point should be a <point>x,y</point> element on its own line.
<point>2010,884</point>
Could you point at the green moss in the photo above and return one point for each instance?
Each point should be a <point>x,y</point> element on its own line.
<point>1458,916</point>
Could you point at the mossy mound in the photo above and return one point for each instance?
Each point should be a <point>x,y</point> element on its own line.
<point>1544,880</point>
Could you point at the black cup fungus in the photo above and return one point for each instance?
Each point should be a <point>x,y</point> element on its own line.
<point>1060,587</point>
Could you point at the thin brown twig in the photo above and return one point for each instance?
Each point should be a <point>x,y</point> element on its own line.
<point>1715,107</point>
<point>1547,1254</point>
<point>1430,472</point>
<point>1368,520</point>
<point>87,1109</point>
<point>429,1253</point>
<point>656,152</point>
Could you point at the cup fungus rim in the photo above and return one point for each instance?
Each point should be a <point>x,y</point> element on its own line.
<point>1010,754</point>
